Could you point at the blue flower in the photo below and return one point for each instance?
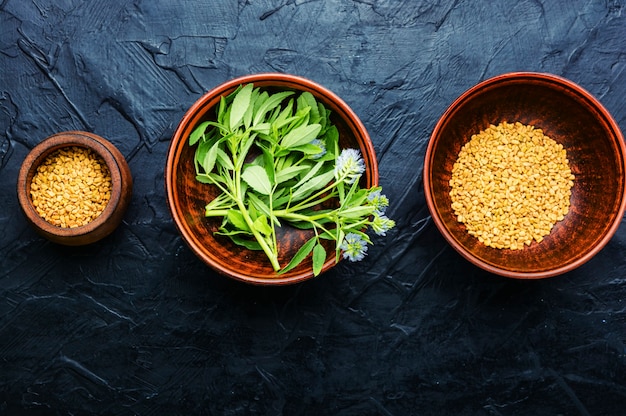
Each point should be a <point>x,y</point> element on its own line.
<point>381,224</point>
<point>354,247</point>
<point>379,201</point>
<point>321,145</point>
<point>349,166</point>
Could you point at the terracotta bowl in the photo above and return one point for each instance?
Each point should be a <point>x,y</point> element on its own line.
<point>121,189</point>
<point>595,149</point>
<point>187,197</point>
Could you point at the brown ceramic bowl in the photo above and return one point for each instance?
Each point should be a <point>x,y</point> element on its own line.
<point>187,197</point>
<point>595,149</point>
<point>109,219</point>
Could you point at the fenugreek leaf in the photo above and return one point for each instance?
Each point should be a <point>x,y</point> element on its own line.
<point>210,178</point>
<point>357,212</point>
<point>300,255</point>
<point>308,148</point>
<point>224,160</point>
<point>314,184</point>
<point>312,172</point>
<point>261,225</point>
<point>319,257</point>
<point>201,152</point>
<point>262,128</point>
<point>260,205</point>
<point>284,117</point>
<point>240,105</point>
<point>269,104</point>
<point>300,135</point>
<point>256,177</point>
<point>222,110</point>
<point>244,242</point>
<point>289,173</point>
<point>198,133</point>
<point>247,116</point>
<point>235,217</point>
<point>209,158</point>
<point>324,116</point>
<point>305,100</point>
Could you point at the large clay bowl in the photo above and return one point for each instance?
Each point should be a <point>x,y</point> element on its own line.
<point>595,149</point>
<point>187,197</point>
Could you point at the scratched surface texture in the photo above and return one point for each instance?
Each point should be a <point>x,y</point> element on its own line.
<point>136,325</point>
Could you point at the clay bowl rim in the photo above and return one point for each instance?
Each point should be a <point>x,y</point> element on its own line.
<point>553,81</point>
<point>178,143</point>
<point>44,149</point>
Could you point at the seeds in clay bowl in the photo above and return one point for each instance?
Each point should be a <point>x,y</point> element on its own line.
<point>590,207</point>
<point>74,188</point>
<point>510,185</point>
<point>71,187</point>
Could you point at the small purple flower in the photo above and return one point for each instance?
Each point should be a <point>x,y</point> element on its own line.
<point>354,247</point>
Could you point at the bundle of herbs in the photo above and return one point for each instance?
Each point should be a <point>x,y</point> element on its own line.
<point>275,158</point>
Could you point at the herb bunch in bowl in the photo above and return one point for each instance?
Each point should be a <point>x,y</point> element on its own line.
<point>276,160</point>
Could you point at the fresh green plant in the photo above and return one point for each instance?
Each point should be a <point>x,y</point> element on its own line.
<point>275,159</point>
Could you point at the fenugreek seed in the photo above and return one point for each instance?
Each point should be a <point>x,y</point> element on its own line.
<point>515,175</point>
<point>67,172</point>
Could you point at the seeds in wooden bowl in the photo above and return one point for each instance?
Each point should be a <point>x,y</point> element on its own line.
<point>510,185</point>
<point>71,187</point>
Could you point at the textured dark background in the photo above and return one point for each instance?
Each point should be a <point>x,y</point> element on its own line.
<point>136,324</point>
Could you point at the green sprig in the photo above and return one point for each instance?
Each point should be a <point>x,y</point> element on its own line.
<point>275,159</point>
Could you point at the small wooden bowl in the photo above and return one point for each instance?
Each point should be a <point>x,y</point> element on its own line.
<point>187,197</point>
<point>595,149</point>
<point>121,190</point>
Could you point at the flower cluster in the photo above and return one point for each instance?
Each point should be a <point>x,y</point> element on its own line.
<point>349,167</point>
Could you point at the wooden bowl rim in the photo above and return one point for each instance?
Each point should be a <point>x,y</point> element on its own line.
<point>178,142</point>
<point>511,78</point>
<point>102,147</point>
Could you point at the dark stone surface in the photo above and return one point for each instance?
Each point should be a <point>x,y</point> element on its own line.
<point>135,324</point>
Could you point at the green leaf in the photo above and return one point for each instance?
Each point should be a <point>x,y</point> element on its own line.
<point>198,133</point>
<point>284,116</point>
<point>302,253</point>
<point>308,148</point>
<point>357,212</point>
<point>239,106</point>
<point>244,242</point>
<point>323,120</point>
<point>208,162</point>
<point>310,173</point>
<point>319,257</point>
<point>314,184</point>
<point>300,135</point>
<point>306,99</point>
<point>260,205</point>
<point>210,178</point>
<point>203,149</point>
<point>224,160</point>
<point>235,217</point>
<point>257,179</point>
<point>222,110</point>
<point>261,225</point>
<point>290,173</point>
<point>270,104</point>
<point>262,128</point>
<point>268,164</point>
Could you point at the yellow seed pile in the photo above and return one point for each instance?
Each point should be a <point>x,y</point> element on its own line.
<point>510,185</point>
<point>71,187</point>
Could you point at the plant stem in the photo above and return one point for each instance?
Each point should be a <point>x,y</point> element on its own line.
<point>270,252</point>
